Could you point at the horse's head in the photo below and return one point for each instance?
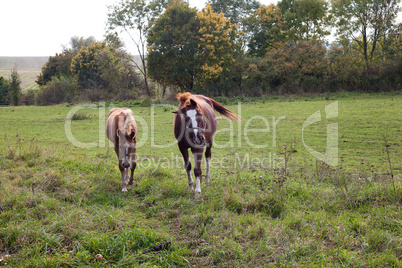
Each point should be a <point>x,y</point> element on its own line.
<point>194,122</point>
<point>127,139</point>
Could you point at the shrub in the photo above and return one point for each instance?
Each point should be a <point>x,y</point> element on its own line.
<point>3,90</point>
<point>146,103</point>
<point>28,97</point>
<point>58,90</point>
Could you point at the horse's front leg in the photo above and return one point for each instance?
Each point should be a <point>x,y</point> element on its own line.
<point>133,165</point>
<point>124,177</point>
<point>208,162</point>
<point>187,166</point>
<point>197,153</point>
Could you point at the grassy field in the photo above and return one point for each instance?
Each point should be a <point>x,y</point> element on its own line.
<point>28,68</point>
<point>271,203</point>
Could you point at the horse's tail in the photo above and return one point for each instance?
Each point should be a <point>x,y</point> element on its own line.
<point>223,110</point>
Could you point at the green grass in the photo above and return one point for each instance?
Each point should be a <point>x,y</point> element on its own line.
<point>62,204</point>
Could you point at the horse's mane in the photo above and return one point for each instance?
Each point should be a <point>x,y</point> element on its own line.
<point>129,117</point>
<point>185,98</point>
<point>129,120</point>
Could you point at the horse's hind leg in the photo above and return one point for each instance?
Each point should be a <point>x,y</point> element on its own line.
<point>208,160</point>
<point>187,166</point>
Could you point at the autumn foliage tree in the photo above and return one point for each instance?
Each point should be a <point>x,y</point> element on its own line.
<point>56,66</point>
<point>85,68</point>
<point>217,47</point>
<point>60,64</point>
<point>188,49</point>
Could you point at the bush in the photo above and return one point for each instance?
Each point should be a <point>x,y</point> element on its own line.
<point>28,97</point>
<point>146,102</point>
<point>3,91</point>
<point>58,90</point>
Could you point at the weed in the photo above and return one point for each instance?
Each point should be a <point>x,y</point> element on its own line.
<point>80,116</point>
<point>386,145</point>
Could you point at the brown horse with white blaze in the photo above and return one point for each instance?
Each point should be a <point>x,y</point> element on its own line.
<point>121,130</point>
<point>195,124</point>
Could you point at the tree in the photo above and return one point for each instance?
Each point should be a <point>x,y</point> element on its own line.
<point>14,89</point>
<point>173,47</point>
<point>56,66</point>
<point>365,22</point>
<point>116,70</point>
<point>76,43</point>
<point>188,49</point>
<point>86,69</point>
<point>305,19</point>
<point>391,43</point>
<point>135,18</point>
<point>60,64</point>
<point>217,46</point>
<point>234,10</point>
<point>266,30</point>
<point>3,90</point>
<point>291,68</point>
<point>104,67</point>
<point>238,12</point>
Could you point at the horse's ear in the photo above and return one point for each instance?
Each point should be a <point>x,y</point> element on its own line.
<point>132,135</point>
<point>193,102</point>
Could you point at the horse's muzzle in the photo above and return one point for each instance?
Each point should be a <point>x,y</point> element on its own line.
<point>126,164</point>
<point>199,140</point>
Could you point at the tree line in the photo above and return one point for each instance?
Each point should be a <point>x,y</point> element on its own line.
<point>231,47</point>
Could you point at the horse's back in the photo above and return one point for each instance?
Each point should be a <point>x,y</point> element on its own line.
<point>111,124</point>
<point>116,117</point>
<point>208,110</point>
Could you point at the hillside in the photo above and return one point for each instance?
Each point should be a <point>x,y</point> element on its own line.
<point>28,68</point>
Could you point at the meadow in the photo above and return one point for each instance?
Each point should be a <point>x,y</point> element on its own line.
<point>271,202</point>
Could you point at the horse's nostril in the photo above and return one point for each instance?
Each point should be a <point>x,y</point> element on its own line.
<point>199,140</point>
<point>126,165</point>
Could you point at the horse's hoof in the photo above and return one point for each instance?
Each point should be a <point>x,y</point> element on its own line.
<point>124,189</point>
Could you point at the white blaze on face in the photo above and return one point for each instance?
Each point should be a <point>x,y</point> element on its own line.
<point>192,114</point>
<point>126,145</point>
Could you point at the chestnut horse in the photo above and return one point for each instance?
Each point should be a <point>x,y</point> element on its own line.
<point>121,130</point>
<point>194,128</point>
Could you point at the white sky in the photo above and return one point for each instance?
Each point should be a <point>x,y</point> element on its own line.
<point>41,27</point>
